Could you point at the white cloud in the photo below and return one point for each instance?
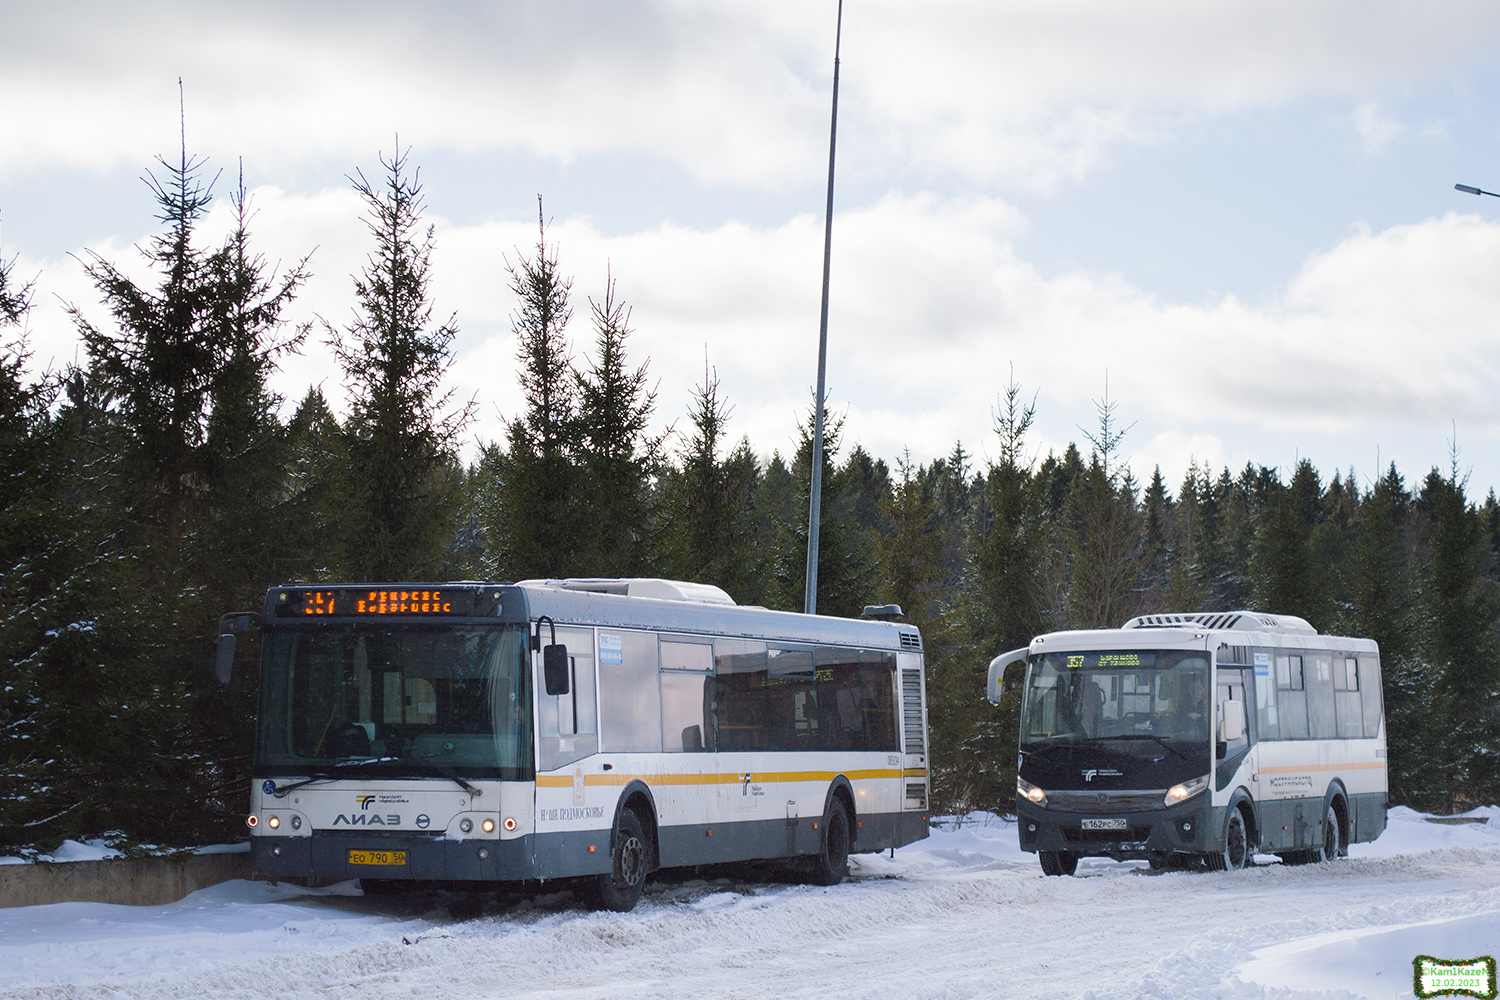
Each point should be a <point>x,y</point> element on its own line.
<point>1032,93</point>
<point>1388,334</point>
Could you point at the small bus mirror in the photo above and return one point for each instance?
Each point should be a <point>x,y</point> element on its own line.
<point>995,686</point>
<point>223,657</point>
<point>555,668</point>
<point>1232,725</point>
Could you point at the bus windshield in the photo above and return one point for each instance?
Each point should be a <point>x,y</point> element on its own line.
<point>1149,695</point>
<point>418,699</point>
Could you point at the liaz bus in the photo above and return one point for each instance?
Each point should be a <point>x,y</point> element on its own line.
<point>1198,739</point>
<point>589,730</point>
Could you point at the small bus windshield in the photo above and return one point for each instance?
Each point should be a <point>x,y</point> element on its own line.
<point>1117,694</point>
<point>396,700</point>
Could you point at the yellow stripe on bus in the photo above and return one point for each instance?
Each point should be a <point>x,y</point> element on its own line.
<point>1377,765</point>
<point>725,778</point>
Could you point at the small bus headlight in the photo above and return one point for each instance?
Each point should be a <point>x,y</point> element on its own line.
<point>1184,791</point>
<point>1031,793</point>
<point>488,826</point>
<point>274,822</point>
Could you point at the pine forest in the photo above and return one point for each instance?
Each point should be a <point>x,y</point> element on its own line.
<point>158,483</point>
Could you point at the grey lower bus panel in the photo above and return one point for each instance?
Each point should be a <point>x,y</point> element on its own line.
<point>564,855</point>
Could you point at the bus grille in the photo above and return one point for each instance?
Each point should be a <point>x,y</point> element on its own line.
<point>911,640</point>
<point>911,709</point>
<point>916,794</point>
<point>1134,835</point>
<point>1105,802</point>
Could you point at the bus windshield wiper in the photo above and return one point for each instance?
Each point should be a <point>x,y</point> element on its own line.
<point>443,772</point>
<point>1146,736</point>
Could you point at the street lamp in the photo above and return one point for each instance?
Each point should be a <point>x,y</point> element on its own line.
<point>1474,190</point>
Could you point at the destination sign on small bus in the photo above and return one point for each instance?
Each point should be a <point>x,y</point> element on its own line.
<point>375,602</point>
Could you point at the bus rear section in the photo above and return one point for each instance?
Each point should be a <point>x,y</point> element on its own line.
<point>577,730</point>
<point>1198,741</point>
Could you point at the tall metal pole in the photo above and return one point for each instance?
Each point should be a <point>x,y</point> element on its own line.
<point>815,501</point>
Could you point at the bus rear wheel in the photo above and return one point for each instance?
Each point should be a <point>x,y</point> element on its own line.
<point>619,889</point>
<point>831,863</point>
<point>1333,840</point>
<point>1058,862</point>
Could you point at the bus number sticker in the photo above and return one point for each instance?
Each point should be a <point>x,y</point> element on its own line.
<point>1263,664</point>
<point>610,649</point>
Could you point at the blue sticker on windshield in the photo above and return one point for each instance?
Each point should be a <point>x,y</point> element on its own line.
<point>1263,664</point>
<point>269,787</point>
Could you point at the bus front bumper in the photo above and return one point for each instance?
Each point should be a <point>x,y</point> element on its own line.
<point>328,856</point>
<point>1185,828</point>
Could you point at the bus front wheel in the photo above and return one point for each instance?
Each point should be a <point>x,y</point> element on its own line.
<point>1334,846</point>
<point>1236,850</point>
<point>831,863</point>
<point>1058,862</point>
<point>619,889</point>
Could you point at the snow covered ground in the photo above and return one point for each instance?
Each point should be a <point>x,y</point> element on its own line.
<point>962,914</point>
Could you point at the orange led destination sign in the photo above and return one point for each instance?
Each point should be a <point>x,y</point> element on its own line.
<point>365,602</point>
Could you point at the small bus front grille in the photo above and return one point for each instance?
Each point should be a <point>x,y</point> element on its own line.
<point>1134,835</point>
<point>911,709</point>
<point>916,792</point>
<point>1105,802</point>
<point>911,640</point>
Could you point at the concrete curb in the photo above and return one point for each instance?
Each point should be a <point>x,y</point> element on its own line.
<point>140,882</point>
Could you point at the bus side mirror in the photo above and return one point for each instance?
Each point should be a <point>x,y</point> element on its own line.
<point>995,685</point>
<point>230,625</point>
<point>223,658</point>
<point>1232,725</point>
<point>555,668</point>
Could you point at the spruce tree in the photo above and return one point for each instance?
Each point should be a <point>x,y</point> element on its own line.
<point>1289,575</point>
<point>534,518</point>
<point>619,461</point>
<point>711,523</point>
<point>402,430</point>
<point>1102,532</point>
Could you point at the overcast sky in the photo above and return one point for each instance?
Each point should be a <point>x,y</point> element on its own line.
<point>1243,213</point>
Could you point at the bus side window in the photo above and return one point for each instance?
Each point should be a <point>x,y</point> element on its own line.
<point>686,696</point>
<point>1319,685</point>
<point>1369,693</point>
<point>740,694</point>
<point>1346,696</point>
<point>1268,721</point>
<point>1291,698</point>
<point>629,695</point>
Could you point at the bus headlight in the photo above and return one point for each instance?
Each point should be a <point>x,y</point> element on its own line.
<point>488,826</point>
<point>1031,793</point>
<point>274,822</point>
<point>1185,791</point>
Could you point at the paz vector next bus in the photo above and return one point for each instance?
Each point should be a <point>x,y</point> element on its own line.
<point>575,729</point>
<point>1198,739</point>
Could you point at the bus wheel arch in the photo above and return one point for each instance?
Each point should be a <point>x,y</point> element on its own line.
<point>637,797</point>
<point>1239,836</point>
<point>841,790</point>
<point>836,834</point>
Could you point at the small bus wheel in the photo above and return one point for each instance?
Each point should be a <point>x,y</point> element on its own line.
<point>1058,862</point>
<point>1333,839</point>
<point>831,863</point>
<point>619,889</point>
<point>1236,846</point>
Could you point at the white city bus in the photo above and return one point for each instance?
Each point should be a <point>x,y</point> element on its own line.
<point>575,729</point>
<point>1198,738</point>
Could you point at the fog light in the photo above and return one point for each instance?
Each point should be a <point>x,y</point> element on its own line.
<point>1187,826</point>
<point>510,824</point>
<point>274,822</point>
<point>466,825</point>
<point>488,826</point>
<point>484,854</point>
<point>252,820</point>
<point>1031,828</point>
<point>296,822</point>
<point>276,849</point>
